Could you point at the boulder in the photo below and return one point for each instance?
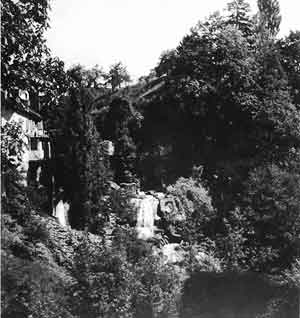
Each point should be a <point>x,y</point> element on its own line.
<point>114,186</point>
<point>173,253</point>
<point>130,188</point>
<point>170,208</point>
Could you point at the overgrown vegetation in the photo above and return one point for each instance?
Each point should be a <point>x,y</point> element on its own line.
<point>124,280</point>
<point>216,126</point>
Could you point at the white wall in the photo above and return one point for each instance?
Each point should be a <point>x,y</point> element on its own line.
<point>29,128</point>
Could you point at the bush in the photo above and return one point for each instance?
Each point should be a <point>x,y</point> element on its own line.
<point>36,230</point>
<point>158,288</point>
<point>272,210</point>
<point>38,198</point>
<point>196,205</point>
<point>123,280</point>
<point>292,276</point>
<point>103,283</point>
<point>12,143</point>
<point>201,258</point>
<point>31,289</point>
<point>230,240</point>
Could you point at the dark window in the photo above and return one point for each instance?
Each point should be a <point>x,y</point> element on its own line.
<point>33,144</point>
<point>32,172</point>
<point>45,146</point>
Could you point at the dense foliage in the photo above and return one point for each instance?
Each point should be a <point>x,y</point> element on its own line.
<point>273,216</point>
<point>123,280</point>
<point>26,63</point>
<point>215,126</point>
<point>82,168</point>
<point>195,205</point>
<point>228,100</point>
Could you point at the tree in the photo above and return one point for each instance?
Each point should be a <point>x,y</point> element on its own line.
<point>228,97</point>
<point>239,16</point>
<point>117,75</point>
<point>119,124</point>
<point>225,102</point>
<point>25,59</point>
<point>22,42</point>
<point>271,207</point>
<point>207,75</point>
<point>82,168</point>
<point>289,49</point>
<point>269,17</point>
<point>88,78</point>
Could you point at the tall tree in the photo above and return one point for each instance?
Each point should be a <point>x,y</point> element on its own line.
<point>82,167</point>
<point>239,15</point>
<point>289,49</point>
<point>269,17</point>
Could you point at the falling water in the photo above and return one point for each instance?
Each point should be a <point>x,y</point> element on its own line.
<point>146,215</point>
<point>61,213</point>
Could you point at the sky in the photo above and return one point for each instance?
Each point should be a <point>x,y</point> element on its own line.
<point>134,32</point>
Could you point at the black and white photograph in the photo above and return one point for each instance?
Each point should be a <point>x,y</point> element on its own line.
<point>150,159</point>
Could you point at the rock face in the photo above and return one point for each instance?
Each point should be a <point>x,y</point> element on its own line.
<point>171,209</point>
<point>173,253</point>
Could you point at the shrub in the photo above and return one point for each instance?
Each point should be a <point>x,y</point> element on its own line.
<point>103,283</point>
<point>272,210</point>
<point>123,280</point>
<point>12,144</point>
<point>36,230</point>
<point>31,289</point>
<point>12,237</point>
<point>13,193</point>
<point>230,240</point>
<point>158,287</point>
<point>292,276</point>
<point>38,198</point>
<point>196,205</point>
<point>202,257</point>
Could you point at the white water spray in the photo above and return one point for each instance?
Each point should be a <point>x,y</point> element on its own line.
<point>146,215</point>
<point>61,213</point>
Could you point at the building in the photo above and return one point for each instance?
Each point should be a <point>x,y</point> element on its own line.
<point>35,165</point>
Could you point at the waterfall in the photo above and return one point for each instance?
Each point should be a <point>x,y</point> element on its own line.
<point>61,213</point>
<point>146,215</point>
